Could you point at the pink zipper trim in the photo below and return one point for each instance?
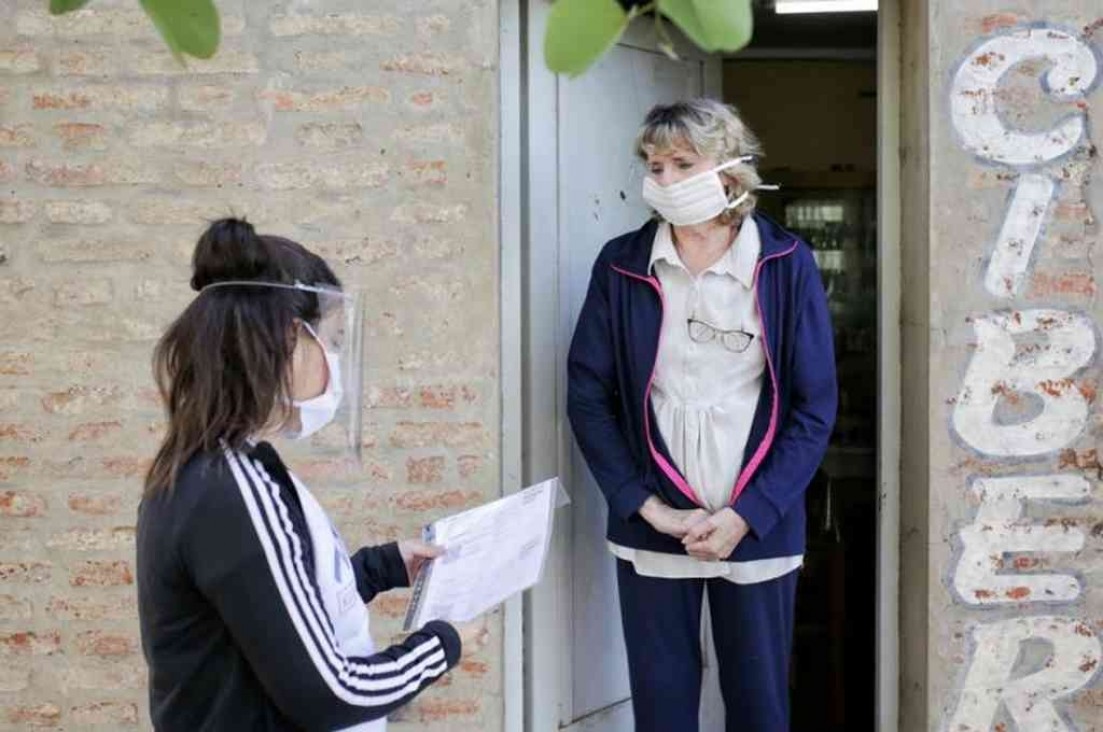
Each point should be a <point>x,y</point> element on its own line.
<point>771,431</point>
<point>664,465</point>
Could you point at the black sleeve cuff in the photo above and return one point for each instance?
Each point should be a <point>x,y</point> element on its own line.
<point>394,569</point>
<point>450,637</point>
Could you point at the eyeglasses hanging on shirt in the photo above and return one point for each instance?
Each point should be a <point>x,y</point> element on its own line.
<point>736,341</point>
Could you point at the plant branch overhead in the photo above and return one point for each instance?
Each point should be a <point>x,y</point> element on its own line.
<point>189,27</point>
<point>580,32</point>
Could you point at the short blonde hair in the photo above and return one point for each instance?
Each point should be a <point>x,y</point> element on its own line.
<point>709,128</point>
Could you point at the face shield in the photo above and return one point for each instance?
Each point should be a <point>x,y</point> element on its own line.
<point>333,317</point>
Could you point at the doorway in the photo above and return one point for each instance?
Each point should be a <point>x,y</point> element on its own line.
<point>808,86</point>
<point>816,114</point>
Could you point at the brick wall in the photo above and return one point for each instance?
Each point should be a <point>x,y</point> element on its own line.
<point>364,130</point>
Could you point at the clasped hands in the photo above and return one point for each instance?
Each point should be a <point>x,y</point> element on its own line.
<point>709,537</point>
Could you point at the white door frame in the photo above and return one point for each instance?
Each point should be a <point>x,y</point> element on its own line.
<point>889,289</point>
<point>535,673</point>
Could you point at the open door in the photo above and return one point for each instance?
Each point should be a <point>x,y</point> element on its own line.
<point>583,189</point>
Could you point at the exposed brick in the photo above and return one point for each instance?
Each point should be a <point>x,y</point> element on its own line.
<point>85,63</point>
<point>423,99</point>
<point>469,465</point>
<point>17,136</point>
<point>446,397</point>
<point>390,605</point>
<point>15,608</point>
<point>356,251</point>
<point>224,62</point>
<point>334,24</point>
<point>424,470</point>
<point>422,213</point>
<point>88,97</point>
<point>323,60</point>
<point>106,645</point>
<point>474,668</point>
<point>348,97</point>
<point>125,466</point>
<point>16,363</point>
<point>430,64</point>
<point>430,247</point>
<point>67,175</point>
<point>202,134</point>
<point>391,397</point>
<point>19,61</point>
<point>437,500</point>
<point>83,292</point>
<point>94,250</point>
<point>94,431</point>
<point>99,674</point>
<point>92,539</point>
<point>1062,285</point>
<point>76,399</point>
<point>35,716</point>
<point>331,175</point>
<point>95,504</point>
<point>116,24</point>
<point>30,644</point>
<point>330,135</point>
<point>104,714</point>
<point>14,211</point>
<point>166,211</point>
<point>429,710</point>
<point>77,212</point>
<point>21,505</point>
<point>994,22</point>
<point>425,172</point>
<point>207,175</point>
<point>93,608</point>
<point>7,174</point>
<point>81,135</point>
<point>204,98</point>
<point>25,572</point>
<point>431,26</point>
<point>431,434</point>
<point>426,134</point>
<point>12,464</point>
<point>100,574</point>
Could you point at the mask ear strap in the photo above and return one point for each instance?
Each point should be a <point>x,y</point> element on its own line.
<point>743,196</point>
<point>733,162</point>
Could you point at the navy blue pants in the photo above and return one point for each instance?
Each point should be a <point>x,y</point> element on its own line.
<point>753,633</point>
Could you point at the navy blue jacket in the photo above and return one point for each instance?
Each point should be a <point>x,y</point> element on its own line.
<point>611,366</point>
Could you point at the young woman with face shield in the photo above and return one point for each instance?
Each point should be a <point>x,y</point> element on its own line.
<point>702,393</point>
<point>252,611</point>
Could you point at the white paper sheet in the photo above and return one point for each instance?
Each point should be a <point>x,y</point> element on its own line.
<point>492,552</point>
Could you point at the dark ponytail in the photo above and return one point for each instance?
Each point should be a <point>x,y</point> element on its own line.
<point>222,367</point>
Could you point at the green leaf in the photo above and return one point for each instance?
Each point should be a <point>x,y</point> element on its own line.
<point>714,25</point>
<point>580,31</point>
<point>58,7</point>
<point>189,27</point>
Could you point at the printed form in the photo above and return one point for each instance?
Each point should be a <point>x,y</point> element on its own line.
<point>491,553</point>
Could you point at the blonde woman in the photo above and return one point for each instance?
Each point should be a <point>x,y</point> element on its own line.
<point>702,393</point>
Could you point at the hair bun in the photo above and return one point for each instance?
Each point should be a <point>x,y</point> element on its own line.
<point>230,249</point>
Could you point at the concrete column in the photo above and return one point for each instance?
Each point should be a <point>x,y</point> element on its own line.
<point>1002,510</point>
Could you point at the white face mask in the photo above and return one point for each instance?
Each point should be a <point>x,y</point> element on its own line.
<point>317,412</point>
<point>696,199</point>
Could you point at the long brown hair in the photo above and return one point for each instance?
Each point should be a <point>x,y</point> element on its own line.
<point>222,367</point>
